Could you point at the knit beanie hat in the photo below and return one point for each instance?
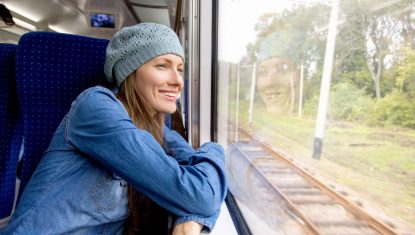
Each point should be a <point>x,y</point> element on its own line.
<point>281,44</point>
<point>133,46</point>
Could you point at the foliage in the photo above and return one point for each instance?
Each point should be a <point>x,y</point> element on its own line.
<point>393,109</point>
<point>405,79</point>
<point>359,78</point>
<point>351,39</point>
<point>311,106</point>
<point>388,80</point>
<point>347,102</point>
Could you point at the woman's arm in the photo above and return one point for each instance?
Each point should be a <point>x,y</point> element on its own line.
<point>174,145</point>
<point>99,127</point>
<point>179,149</point>
<point>188,228</point>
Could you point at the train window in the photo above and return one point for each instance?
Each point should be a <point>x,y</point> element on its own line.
<point>316,104</point>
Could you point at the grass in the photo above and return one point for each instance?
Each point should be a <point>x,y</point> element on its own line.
<point>375,164</point>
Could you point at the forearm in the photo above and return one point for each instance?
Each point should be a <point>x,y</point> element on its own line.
<point>177,147</point>
<point>188,228</point>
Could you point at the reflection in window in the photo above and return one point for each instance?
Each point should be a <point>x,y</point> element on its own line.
<point>269,85</point>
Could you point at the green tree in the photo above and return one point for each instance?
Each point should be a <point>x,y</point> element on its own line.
<point>350,63</point>
<point>405,77</point>
<point>369,38</point>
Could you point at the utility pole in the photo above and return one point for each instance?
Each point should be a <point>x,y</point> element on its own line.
<point>252,95</point>
<point>300,98</point>
<point>325,81</point>
<point>238,84</point>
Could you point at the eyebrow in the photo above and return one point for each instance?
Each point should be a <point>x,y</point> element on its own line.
<point>168,60</point>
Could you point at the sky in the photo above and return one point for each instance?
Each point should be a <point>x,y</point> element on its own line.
<point>237,19</point>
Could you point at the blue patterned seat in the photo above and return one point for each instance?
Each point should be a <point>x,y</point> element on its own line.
<point>51,70</point>
<point>11,136</point>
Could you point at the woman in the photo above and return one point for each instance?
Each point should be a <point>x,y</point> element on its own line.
<point>108,147</point>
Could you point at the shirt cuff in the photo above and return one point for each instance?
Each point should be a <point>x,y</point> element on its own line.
<point>207,222</point>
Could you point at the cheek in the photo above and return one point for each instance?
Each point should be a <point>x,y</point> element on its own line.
<point>147,84</point>
<point>155,82</point>
<point>264,81</point>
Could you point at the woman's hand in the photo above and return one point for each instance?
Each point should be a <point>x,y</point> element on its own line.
<point>188,228</point>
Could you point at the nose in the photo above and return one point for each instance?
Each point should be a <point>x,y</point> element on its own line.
<point>176,79</point>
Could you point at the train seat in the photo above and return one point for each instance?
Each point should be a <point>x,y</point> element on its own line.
<point>52,69</point>
<point>11,136</point>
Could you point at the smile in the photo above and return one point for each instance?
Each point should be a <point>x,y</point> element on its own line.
<point>169,95</point>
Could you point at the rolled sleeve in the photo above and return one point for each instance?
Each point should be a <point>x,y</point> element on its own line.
<point>207,222</point>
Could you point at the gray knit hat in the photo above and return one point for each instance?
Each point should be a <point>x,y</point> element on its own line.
<point>133,46</point>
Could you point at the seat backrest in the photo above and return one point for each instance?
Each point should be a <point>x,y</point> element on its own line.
<point>10,133</point>
<point>52,69</point>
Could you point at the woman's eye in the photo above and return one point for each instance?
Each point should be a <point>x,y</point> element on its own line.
<point>163,66</point>
<point>180,71</point>
<point>285,66</point>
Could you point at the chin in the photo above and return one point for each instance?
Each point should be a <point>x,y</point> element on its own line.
<point>168,110</point>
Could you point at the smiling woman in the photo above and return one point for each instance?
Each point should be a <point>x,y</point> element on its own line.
<point>134,171</point>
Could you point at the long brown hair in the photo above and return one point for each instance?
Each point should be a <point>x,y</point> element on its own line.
<point>144,117</point>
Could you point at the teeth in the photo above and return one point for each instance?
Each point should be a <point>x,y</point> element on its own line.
<point>170,94</point>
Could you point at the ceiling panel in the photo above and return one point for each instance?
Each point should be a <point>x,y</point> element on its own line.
<point>155,15</point>
<point>150,2</point>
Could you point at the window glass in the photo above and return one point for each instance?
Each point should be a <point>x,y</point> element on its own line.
<point>271,66</point>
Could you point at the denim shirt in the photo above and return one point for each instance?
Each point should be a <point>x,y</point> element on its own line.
<point>80,184</point>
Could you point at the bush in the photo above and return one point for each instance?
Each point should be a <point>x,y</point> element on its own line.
<point>347,102</point>
<point>393,109</point>
<point>311,106</point>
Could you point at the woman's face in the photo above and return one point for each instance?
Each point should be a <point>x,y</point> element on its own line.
<point>274,82</point>
<point>160,81</point>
